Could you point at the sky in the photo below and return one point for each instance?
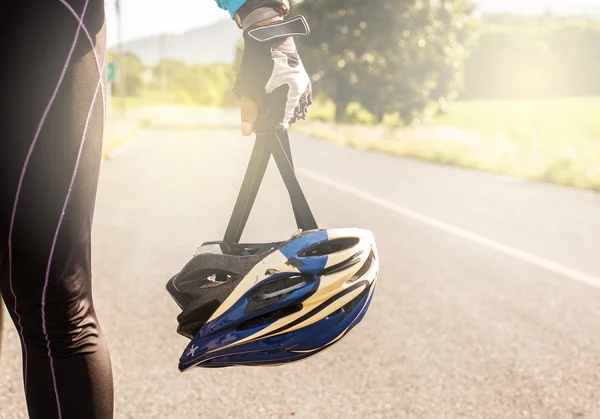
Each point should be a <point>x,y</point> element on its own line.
<point>142,18</point>
<point>151,17</point>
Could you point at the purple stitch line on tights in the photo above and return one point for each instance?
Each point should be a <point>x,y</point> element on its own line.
<point>18,193</point>
<point>88,36</point>
<point>55,239</point>
<point>62,213</point>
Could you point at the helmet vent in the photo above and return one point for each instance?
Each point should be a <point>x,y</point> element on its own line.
<point>331,246</point>
<point>269,317</point>
<point>276,290</point>
<point>351,261</point>
<point>364,269</point>
<point>352,304</point>
<point>347,309</point>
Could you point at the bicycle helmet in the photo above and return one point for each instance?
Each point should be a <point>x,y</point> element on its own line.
<point>274,303</point>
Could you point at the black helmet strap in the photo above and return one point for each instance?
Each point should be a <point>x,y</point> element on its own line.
<point>278,145</point>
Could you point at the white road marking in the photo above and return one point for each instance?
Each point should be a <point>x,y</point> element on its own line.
<point>521,255</point>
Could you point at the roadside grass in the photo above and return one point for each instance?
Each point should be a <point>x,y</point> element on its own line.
<point>154,97</point>
<point>112,142</point>
<point>120,131</point>
<point>555,140</point>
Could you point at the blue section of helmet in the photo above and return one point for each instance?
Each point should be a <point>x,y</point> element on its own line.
<point>236,314</point>
<point>297,245</point>
<point>362,314</point>
<point>294,248</point>
<point>277,349</point>
<point>264,358</point>
<point>329,328</point>
<point>315,339</point>
<point>218,332</point>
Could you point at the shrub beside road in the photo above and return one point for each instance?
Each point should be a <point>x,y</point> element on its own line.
<point>554,140</point>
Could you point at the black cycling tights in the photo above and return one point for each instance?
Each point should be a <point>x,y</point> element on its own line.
<point>51,126</point>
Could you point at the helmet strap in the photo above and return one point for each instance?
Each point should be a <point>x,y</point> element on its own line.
<point>277,144</point>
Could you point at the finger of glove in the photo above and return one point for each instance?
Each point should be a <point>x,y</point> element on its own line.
<point>280,112</point>
<point>301,111</point>
<point>249,115</point>
<point>277,103</point>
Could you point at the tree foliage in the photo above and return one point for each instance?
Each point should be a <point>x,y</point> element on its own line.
<point>134,71</point>
<point>207,85</point>
<point>210,85</point>
<point>392,56</point>
<point>537,56</point>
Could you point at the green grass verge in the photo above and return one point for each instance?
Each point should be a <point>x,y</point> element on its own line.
<point>112,143</point>
<point>548,140</point>
<point>153,97</point>
<point>148,98</point>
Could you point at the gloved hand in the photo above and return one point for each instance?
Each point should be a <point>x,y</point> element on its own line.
<point>272,83</point>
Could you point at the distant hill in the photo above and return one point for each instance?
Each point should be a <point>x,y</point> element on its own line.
<point>205,45</point>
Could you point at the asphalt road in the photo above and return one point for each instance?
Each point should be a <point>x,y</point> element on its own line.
<point>488,303</point>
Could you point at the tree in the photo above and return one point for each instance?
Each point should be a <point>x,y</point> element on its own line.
<point>534,56</point>
<point>391,56</point>
<point>170,73</point>
<point>134,70</point>
<point>208,85</point>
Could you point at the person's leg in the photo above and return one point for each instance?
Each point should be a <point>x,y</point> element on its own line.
<point>51,127</point>
<point>1,309</point>
<point>1,317</point>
